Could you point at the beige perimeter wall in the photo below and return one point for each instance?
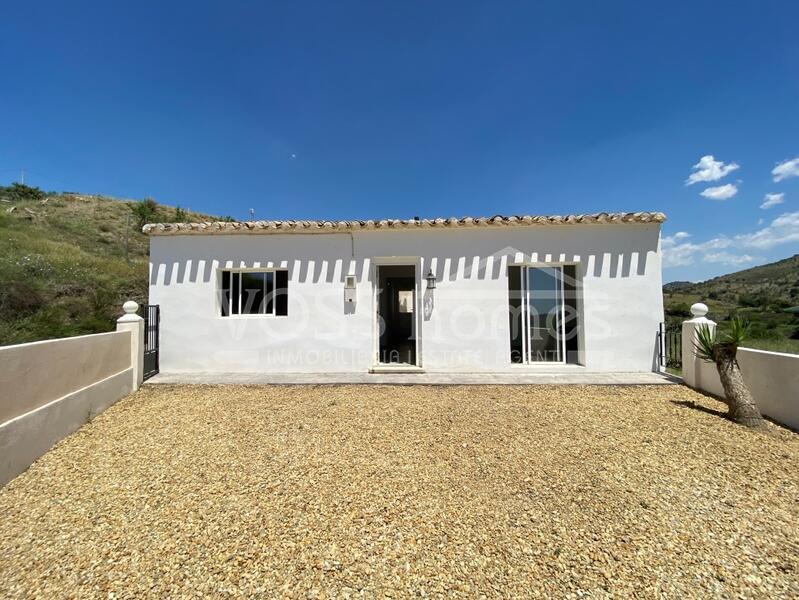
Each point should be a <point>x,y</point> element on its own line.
<point>49,389</point>
<point>772,377</point>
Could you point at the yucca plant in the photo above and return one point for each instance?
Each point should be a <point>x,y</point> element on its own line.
<point>722,350</point>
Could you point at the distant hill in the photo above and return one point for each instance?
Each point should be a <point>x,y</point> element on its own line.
<point>68,261</point>
<point>675,286</point>
<point>760,295</point>
<point>774,283</point>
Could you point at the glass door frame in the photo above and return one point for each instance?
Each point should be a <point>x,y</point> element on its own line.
<point>525,305</point>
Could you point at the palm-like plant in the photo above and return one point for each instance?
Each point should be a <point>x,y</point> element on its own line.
<point>722,350</point>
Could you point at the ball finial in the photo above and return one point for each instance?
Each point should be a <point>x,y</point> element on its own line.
<point>130,307</point>
<point>699,309</point>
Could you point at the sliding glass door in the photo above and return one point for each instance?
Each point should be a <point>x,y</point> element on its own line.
<point>544,308</point>
<point>538,315</point>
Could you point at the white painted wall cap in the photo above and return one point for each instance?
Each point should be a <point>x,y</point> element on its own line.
<point>699,309</point>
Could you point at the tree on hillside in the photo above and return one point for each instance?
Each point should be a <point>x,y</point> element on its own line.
<point>144,211</point>
<point>722,350</point>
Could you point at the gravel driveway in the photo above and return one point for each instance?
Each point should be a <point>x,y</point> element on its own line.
<point>397,491</point>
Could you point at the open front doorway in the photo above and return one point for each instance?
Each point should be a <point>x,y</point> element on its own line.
<point>396,314</point>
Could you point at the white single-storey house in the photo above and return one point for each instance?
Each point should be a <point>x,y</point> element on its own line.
<point>500,295</point>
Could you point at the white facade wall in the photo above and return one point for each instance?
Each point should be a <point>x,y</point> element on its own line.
<point>467,328</point>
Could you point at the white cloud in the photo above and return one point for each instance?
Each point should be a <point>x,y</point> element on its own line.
<point>772,200</point>
<point>678,252</point>
<point>782,230</point>
<point>727,258</point>
<point>709,169</point>
<point>786,169</point>
<point>677,255</point>
<point>687,253</point>
<point>721,192</point>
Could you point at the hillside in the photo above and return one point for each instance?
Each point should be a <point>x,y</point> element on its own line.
<point>760,295</point>
<point>64,266</point>
<point>774,282</point>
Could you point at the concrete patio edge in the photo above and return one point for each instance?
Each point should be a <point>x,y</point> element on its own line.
<point>560,378</point>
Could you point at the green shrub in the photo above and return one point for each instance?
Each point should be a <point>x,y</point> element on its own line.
<point>19,298</point>
<point>20,191</point>
<point>751,300</point>
<point>779,304</point>
<point>678,309</point>
<point>144,211</point>
<point>763,331</point>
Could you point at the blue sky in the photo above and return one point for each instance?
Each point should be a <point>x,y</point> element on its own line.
<point>388,109</point>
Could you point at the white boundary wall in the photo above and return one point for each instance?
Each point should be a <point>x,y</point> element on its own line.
<point>772,377</point>
<point>51,388</point>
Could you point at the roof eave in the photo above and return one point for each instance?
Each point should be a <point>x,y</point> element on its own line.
<point>266,227</point>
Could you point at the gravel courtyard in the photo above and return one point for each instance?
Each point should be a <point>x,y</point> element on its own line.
<point>396,491</point>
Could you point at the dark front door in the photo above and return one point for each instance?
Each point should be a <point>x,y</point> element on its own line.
<point>396,306</point>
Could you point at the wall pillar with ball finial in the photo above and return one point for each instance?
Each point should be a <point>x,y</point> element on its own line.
<point>692,366</point>
<point>132,322</point>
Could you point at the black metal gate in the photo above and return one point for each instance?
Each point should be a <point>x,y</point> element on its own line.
<point>152,319</point>
<point>670,342</point>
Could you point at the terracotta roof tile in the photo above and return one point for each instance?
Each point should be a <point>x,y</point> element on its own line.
<point>225,227</point>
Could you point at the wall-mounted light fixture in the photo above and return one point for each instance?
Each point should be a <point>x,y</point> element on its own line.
<point>349,289</point>
<point>431,280</point>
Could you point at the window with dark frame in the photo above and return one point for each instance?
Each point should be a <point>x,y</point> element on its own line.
<point>263,292</point>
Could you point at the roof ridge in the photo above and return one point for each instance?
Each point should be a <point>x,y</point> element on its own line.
<point>327,226</point>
